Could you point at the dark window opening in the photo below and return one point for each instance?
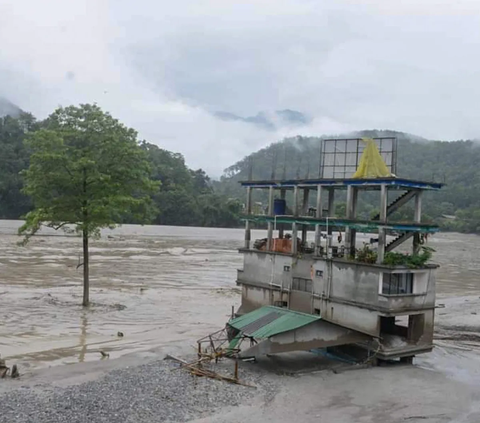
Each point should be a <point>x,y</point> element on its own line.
<point>282,304</point>
<point>319,273</point>
<point>316,311</point>
<point>301,284</point>
<point>397,283</point>
<point>286,268</point>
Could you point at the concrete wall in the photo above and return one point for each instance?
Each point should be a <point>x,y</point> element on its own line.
<point>346,293</point>
<point>265,268</point>
<point>354,283</point>
<point>351,316</point>
<point>253,298</point>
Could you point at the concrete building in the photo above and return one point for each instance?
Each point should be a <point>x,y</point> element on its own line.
<point>356,290</point>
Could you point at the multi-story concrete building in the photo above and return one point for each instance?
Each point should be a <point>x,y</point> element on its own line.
<point>354,292</point>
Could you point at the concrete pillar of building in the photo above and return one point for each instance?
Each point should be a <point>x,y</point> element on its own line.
<point>283,194</point>
<point>353,215</point>
<point>318,215</point>
<point>383,203</point>
<point>294,238</point>
<point>382,240</point>
<point>270,224</point>
<point>331,213</point>
<point>295,200</point>
<point>248,211</point>
<point>417,218</point>
<point>418,207</point>
<point>349,215</point>
<point>382,235</point>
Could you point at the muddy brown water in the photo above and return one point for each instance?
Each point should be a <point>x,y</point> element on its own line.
<point>157,285</point>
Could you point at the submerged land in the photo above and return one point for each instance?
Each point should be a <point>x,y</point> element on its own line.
<point>166,287</point>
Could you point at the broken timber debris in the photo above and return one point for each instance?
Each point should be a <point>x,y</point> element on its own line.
<point>195,369</point>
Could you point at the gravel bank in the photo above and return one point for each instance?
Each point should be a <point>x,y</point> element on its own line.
<point>154,392</point>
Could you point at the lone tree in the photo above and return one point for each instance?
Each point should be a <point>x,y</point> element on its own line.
<point>86,171</point>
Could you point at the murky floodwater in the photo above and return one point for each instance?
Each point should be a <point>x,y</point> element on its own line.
<point>157,285</point>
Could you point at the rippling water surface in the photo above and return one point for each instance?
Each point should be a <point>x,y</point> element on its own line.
<point>157,285</point>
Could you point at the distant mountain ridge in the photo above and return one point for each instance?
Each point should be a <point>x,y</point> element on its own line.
<point>7,108</point>
<point>269,120</point>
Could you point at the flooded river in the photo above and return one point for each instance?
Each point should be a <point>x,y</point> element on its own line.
<point>157,285</point>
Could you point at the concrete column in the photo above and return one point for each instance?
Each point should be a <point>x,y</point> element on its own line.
<point>269,236</point>
<point>417,217</point>
<point>283,194</point>
<point>319,202</point>
<point>304,234</point>
<point>318,215</point>
<point>295,200</point>
<point>418,207</point>
<point>382,235</point>
<point>348,215</point>
<point>248,211</point>
<point>382,238</point>
<point>270,224</point>
<point>247,235</point>
<point>271,193</point>
<point>383,203</point>
<point>353,215</point>
<point>331,213</point>
<point>294,238</point>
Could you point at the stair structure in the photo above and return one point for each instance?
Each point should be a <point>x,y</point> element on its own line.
<point>397,203</point>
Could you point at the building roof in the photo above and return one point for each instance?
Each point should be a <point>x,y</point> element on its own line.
<point>371,183</point>
<point>268,321</point>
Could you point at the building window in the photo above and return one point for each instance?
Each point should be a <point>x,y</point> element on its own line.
<point>316,311</point>
<point>397,283</point>
<point>301,284</point>
<point>282,304</point>
<point>286,268</point>
<point>319,273</point>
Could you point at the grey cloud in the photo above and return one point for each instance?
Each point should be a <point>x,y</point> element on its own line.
<point>166,67</point>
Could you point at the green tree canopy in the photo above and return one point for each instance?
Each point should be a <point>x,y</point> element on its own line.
<point>88,171</point>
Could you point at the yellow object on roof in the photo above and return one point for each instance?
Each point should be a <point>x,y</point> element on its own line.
<point>371,164</point>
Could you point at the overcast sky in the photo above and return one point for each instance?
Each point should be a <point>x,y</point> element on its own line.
<point>163,66</point>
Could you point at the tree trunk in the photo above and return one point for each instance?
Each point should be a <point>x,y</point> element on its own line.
<point>86,281</point>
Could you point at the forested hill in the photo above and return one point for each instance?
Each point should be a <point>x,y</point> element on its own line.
<point>457,163</point>
<point>186,196</point>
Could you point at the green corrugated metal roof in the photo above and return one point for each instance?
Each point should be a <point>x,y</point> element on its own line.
<point>268,321</point>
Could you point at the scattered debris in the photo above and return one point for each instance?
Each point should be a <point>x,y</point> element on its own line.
<point>195,368</point>
<point>15,372</point>
<point>104,354</point>
<point>4,370</point>
<point>120,334</point>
